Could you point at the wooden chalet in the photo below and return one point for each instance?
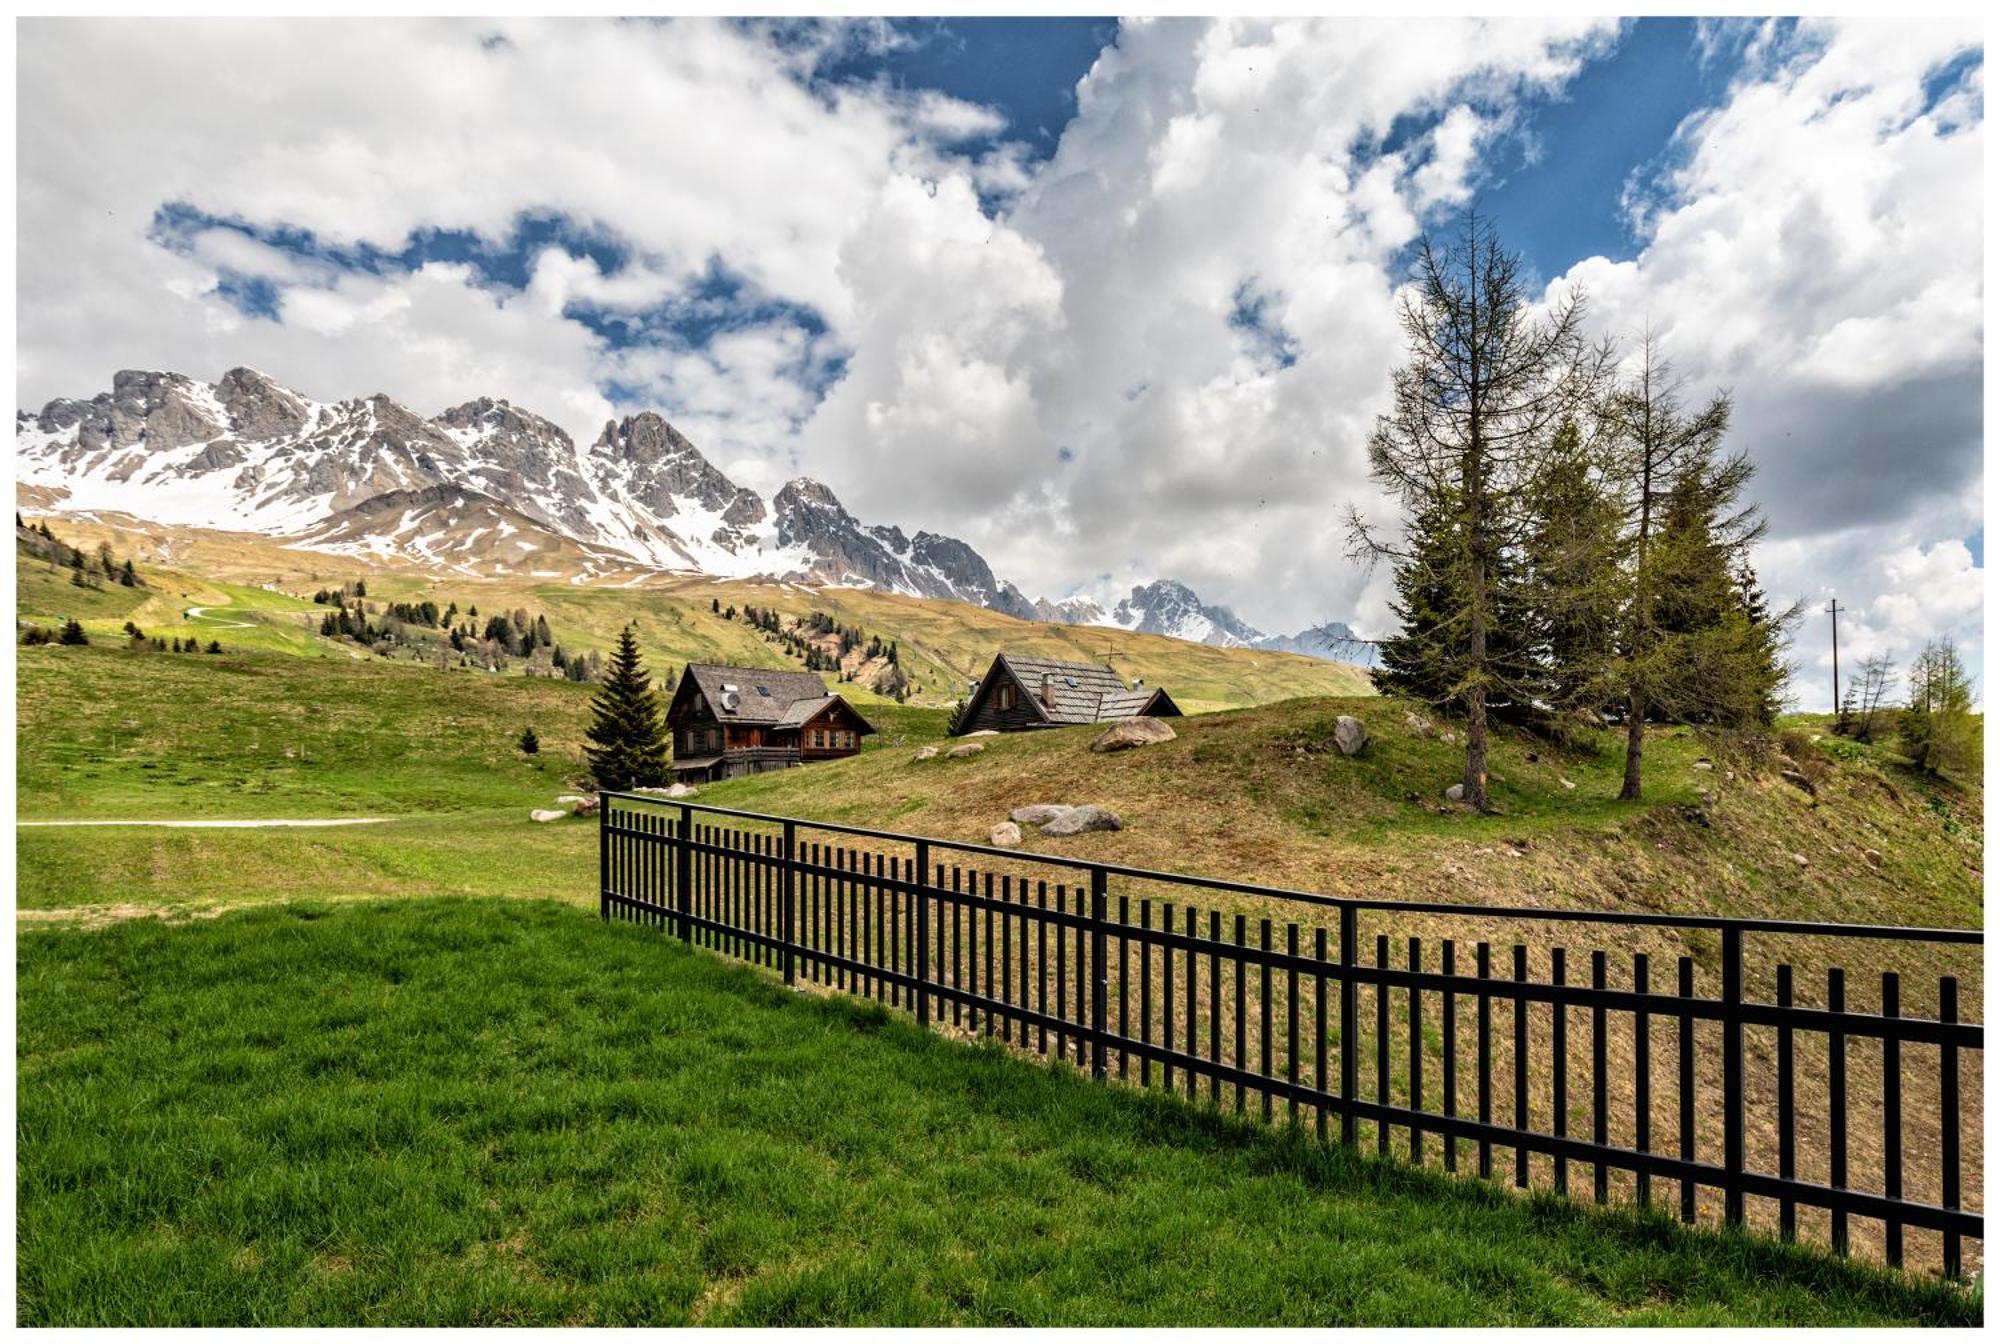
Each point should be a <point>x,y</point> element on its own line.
<point>1019,693</point>
<point>730,721</point>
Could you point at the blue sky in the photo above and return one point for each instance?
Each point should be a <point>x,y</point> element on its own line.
<point>854,251</point>
<point>1557,181</point>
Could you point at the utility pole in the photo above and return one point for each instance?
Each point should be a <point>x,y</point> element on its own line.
<point>1833,610</point>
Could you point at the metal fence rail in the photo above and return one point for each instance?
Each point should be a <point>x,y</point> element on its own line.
<point>1788,1111</point>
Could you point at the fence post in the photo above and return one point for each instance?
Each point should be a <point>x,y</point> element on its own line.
<point>683,872</point>
<point>786,878</point>
<point>1348,1075</point>
<point>604,856</point>
<point>1732,1072</point>
<point>923,957</point>
<point>1100,974</point>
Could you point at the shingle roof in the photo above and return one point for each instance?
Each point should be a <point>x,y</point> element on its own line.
<point>764,695</point>
<point>802,710</point>
<point>1076,692</point>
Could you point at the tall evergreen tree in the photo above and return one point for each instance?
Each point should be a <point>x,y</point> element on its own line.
<point>1487,382</point>
<point>628,739</point>
<point>1657,440</point>
<point>72,633</point>
<point>1573,579</point>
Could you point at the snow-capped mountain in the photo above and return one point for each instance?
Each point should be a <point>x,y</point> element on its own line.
<point>482,487</point>
<point>1169,607</point>
<point>492,488</point>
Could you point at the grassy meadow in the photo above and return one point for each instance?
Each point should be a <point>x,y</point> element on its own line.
<point>505,1113</point>
<point>399,1073</point>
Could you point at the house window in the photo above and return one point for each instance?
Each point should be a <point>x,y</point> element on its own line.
<point>1004,697</point>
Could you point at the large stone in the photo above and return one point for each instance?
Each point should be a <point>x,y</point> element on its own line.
<point>587,807</point>
<point>1455,794</point>
<point>967,749</point>
<point>984,732</point>
<point>579,797</point>
<point>1133,732</point>
<point>1798,781</point>
<point>1089,817</point>
<point>546,814</point>
<point>1006,835</point>
<point>1038,814</point>
<point>1349,734</point>
<point>1416,723</point>
<point>925,754</point>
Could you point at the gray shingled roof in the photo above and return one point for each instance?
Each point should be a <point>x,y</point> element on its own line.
<point>1077,692</point>
<point>802,710</point>
<point>766,695</point>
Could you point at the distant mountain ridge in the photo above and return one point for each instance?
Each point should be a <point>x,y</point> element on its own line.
<point>490,488</point>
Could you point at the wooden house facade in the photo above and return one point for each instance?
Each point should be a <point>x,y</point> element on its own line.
<point>729,721</point>
<point>1020,693</point>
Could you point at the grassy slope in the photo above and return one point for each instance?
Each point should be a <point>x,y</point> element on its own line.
<point>1260,795</point>
<point>443,1112</point>
<point>942,644</point>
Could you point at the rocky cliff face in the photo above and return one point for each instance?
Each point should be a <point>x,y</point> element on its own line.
<point>488,486</point>
<point>372,475</point>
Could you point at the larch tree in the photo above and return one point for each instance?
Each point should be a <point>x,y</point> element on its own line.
<point>1487,381</point>
<point>1657,439</point>
<point>628,741</point>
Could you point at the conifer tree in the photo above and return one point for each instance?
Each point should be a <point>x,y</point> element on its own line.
<point>215,646</point>
<point>628,742</point>
<point>129,577</point>
<point>1573,579</point>
<point>72,633</point>
<point>530,744</point>
<point>1489,378</point>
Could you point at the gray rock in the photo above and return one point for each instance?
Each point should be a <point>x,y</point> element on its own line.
<point>1798,781</point>
<point>1704,764</point>
<point>1456,793</point>
<point>967,749</point>
<point>1874,857</point>
<point>1134,732</point>
<point>925,754</point>
<point>679,790</point>
<point>1567,784</point>
<point>984,732</point>
<point>1006,835</point>
<point>1349,734</point>
<point>545,814</point>
<point>579,797</point>
<point>587,807</point>
<point>1089,817</point>
<point>1416,723</point>
<point>1037,814</point>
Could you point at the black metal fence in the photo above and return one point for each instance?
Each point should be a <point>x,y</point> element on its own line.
<point>1737,1087</point>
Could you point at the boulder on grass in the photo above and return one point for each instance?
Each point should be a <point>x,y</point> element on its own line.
<point>1039,814</point>
<point>587,807</point>
<point>1134,732</point>
<point>1086,818</point>
<point>925,754</point>
<point>967,749</point>
<point>1455,794</point>
<point>579,797</point>
<point>1798,781</point>
<point>546,814</point>
<point>983,732</point>
<point>1004,836</point>
<point>1349,734</point>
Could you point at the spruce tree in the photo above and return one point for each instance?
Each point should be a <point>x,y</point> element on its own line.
<point>628,742</point>
<point>72,633</point>
<point>1574,580</point>
<point>530,744</point>
<point>129,577</point>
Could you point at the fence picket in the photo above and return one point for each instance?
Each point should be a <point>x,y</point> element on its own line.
<point>866,921</point>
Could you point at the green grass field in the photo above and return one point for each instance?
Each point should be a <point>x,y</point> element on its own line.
<point>477,1112</point>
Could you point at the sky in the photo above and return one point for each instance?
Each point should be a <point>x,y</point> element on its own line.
<point>1110,301</point>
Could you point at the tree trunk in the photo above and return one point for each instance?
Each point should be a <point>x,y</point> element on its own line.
<point>1635,744</point>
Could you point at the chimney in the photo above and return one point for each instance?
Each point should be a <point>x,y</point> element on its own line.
<point>1048,693</point>
<point>1138,683</point>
